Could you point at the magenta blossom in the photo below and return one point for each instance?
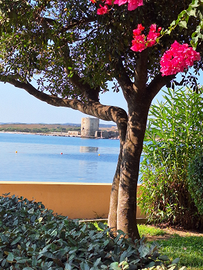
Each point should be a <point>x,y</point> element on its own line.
<point>140,41</point>
<point>132,5</point>
<point>153,35</point>
<point>102,10</point>
<point>178,58</point>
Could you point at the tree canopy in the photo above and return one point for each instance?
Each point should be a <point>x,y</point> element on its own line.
<point>68,45</point>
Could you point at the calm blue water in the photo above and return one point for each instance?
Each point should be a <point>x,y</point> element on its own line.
<point>39,158</point>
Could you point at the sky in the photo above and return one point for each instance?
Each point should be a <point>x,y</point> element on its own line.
<point>17,106</point>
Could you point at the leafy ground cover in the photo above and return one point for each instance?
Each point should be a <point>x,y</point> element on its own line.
<point>32,237</point>
<point>186,245</point>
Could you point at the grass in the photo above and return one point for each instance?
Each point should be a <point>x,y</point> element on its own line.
<point>188,248</point>
<point>145,230</point>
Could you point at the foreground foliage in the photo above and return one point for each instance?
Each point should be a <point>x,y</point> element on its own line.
<point>195,181</point>
<point>173,139</point>
<point>31,237</point>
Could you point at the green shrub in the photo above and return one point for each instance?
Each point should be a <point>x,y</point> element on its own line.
<point>31,237</point>
<point>195,181</point>
<point>172,139</point>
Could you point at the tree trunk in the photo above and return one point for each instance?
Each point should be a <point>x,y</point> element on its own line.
<point>112,217</point>
<point>123,203</point>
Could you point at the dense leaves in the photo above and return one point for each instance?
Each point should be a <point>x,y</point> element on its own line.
<point>31,237</point>
<point>195,180</point>
<point>172,140</point>
<point>49,37</point>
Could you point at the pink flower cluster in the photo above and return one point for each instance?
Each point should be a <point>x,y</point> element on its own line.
<point>102,10</point>
<point>132,4</point>
<point>178,58</point>
<point>140,41</point>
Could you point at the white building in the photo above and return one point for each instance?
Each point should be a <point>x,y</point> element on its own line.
<point>89,126</point>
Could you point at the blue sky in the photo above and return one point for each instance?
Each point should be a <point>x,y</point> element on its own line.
<point>17,106</point>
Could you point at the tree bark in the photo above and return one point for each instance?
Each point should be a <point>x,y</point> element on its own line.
<point>132,149</point>
<point>112,216</point>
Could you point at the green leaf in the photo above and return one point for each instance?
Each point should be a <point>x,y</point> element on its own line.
<point>195,3</point>
<point>68,266</point>
<point>31,211</point>
<point>183,24</point>
<point>84,266</point>
<point>192,12</point>
<point>16,240</point>
<point>10,257</point>
<point>115,266</point>
<point>97,262</point>
<point>21,260</point>
<point>176,261</point>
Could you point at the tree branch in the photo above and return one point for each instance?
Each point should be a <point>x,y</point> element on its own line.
<point>64,28</point>
<point>96,109</point>
<point>123,79</point>
<point>141,70</point>
<point>157,83</point>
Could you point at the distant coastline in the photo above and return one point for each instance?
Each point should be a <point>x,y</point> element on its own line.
<point>40,134</point>
<point>60,130</point>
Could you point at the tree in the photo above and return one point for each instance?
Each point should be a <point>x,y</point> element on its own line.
<point>72,54</point>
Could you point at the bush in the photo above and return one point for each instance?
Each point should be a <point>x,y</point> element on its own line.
<point>31,237</point>
<point>195,181</point>
<point>172,140</point>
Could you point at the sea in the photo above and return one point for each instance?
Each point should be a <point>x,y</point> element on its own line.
<point>27,157</point>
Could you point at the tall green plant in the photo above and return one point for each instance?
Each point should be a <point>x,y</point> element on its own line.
<point>172,139</point>
<point>195,181</point>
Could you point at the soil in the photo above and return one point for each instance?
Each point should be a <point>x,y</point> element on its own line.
<point>170,233</point>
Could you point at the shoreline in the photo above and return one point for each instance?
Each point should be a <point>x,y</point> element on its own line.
<point>58,134</point>
<point>55,134</point>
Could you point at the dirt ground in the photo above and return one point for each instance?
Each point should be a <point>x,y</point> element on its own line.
<point>171,231</point>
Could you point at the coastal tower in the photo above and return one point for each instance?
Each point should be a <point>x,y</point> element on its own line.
<point>89,126</point>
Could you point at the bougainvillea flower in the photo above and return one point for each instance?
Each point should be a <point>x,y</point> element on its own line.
<point>140,41</point>
<point>108,2</point>
<point>133,4</point>
<point>120,2</point>
<point>178,58</point>
<point>102,10</point>
<point>153,35</point>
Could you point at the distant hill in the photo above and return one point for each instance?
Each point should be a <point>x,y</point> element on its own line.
<point>46,128</point>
